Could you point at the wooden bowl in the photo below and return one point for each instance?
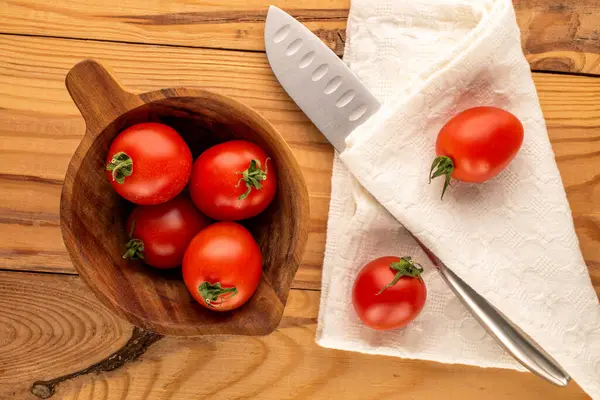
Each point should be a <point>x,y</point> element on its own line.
<point>93,215</point>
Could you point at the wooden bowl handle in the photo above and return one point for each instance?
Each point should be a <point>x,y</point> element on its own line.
<point>98,95</point>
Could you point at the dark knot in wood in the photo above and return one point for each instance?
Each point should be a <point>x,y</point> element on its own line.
<point>136,346</point>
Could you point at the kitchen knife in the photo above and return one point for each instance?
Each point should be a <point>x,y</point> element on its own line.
<point>337,102</point>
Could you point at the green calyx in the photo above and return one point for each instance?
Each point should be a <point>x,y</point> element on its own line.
<point>442,165</point>
<point>252,177</point>
<point>121,166</point>
<point>405,267</point>
<point>135,247</point>
<point>211,292</point>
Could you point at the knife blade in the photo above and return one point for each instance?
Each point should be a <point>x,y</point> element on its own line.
<point>334,99</point>
<point>337,102</point>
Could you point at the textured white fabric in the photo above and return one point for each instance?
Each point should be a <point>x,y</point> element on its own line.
<point>512,238</point>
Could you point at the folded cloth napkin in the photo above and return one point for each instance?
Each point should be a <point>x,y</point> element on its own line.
<point>512,238</point>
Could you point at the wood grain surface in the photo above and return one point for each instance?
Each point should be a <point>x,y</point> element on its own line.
<point>59,329</point>
<point>557,35</point>
<point>43,129</point>
<point>55,332</point>
<point>74,330</point>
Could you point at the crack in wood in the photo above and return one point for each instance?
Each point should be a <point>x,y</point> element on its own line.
<point>31,178</point>
<point>137,345</point>
<point>333,38</point>
<point>24,218</point>
<point>227,17</point>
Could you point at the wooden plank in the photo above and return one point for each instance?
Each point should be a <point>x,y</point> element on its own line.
<point>556,35</point>
<point>40,128</point>
<point>55,326</point>
<point>560,35</point>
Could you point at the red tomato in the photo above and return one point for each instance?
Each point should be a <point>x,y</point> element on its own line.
<point>148,163</point>
<point>388,293</point>
<point>233,180</point>
<point>476,145</point>
<point>161,233</point>
<point>222,266</point>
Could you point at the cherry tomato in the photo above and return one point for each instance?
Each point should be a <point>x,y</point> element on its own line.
<point>476,145</point>
<point>160,234</point>
<point>222,266</point>
<point>388,293</point>
<point>149,163</point>
<point>233,180</point>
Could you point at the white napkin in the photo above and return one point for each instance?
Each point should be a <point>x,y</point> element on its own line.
<point>512,238</point>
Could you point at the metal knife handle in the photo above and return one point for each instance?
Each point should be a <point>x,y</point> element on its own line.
<point>507,334</point>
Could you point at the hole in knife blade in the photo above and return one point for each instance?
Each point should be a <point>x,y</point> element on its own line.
<point>346,98</point>
<point>320,72</point>
<point>333,85</point>
<point>307,59</point>
<point>293,47</point>
<point>358,112</point>
<point>281,33</point>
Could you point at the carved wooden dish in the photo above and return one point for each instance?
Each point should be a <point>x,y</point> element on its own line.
<point>93,215</point>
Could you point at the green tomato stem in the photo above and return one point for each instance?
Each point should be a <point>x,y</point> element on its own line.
<point>121,166</point>
<point>442,165</point>
<point>135,249</point>
<point>210,292</point>
<point>252,177</point>
<point>405,267</point>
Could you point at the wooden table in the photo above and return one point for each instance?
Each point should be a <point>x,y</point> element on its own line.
<point>52,326</point>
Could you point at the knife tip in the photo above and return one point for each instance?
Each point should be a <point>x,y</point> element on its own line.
<point>275,10</point>
<point>272,8</point>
